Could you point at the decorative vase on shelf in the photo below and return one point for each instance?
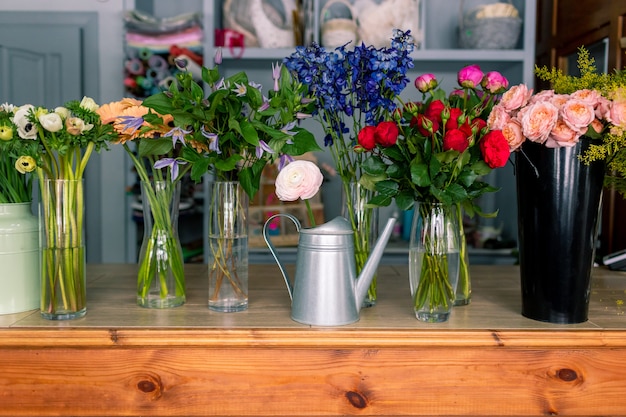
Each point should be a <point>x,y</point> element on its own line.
<point>464,287</point>
<point>434,260</point>
<point>228,247</point>
<point>63,277</point>
<point>558,210</point>
<point>19,257</point>
<point>161,274</point>
<point>364,222</point>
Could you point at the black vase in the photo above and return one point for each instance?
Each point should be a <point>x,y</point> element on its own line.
<point>558,201</point>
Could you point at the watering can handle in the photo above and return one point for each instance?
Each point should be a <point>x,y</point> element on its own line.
<point>273,249</point>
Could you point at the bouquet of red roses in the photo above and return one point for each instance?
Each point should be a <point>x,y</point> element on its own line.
<point>437,150</point>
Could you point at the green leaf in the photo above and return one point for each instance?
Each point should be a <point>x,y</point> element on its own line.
<point>249,133</point>
<point>405,201</point>
<point>199,168</point>
<point>420,174</point>
<point>387,188</point>
<point>228,164</point>
<point>481,168</point>
<point>159,103</point>
<point>374,166</point>
<point>381,200</point>
<point>149,147</point>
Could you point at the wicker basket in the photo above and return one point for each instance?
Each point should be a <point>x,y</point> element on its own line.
<point>479,29</point>
<point>338,31</point>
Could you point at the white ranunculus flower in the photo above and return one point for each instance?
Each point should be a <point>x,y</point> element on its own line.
<point>63,112</point>
<point>89,104</point>
<point>52,122</point>
<point>25,128</point>
<point>299,179</point>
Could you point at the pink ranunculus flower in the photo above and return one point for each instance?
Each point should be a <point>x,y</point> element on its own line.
<point>299,179</point>
<point>426,82</point>
<point>498,118</point>
<point>562,135</point>
<point>513,134</point>
<point>515,97</point>
<point>538,120</point>
<point>470,76</point>
<point>617,113</point>
<point>494,82</point>
<point>577,114</point>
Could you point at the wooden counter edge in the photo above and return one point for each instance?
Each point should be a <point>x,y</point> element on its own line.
<point>309,338</point>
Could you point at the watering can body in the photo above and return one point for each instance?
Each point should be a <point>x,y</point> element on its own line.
<point>326,290</point>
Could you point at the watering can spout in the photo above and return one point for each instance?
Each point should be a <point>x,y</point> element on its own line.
<point>369,269</point>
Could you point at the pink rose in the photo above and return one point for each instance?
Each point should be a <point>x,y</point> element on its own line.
<point>577,114</point>
<point>498,117</point>
<point>494,82</point>
<point>591,97</point>
<point>602,108</point>
<point>562,135</point>
<point>299,179</point>
<point>617,113</point>
<point>515,97</point>
<point>513,134</point>
<point>545,95</point>
<point>559,100</point>
<point>425,82</point>
<point>470,76</point>
<point>538,120</point>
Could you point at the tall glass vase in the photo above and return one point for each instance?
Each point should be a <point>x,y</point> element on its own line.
<point>364,222</point>
<point>434,261</point>
<point>228,247</point>
<point>63,278</point>
<point>464,286</point>
<point>161,275</point>
<point>19,257</point>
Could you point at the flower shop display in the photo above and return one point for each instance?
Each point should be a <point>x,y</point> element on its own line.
<point>57,145</point>
<point>326,290</point>
<point>233,131</point>
<point>19,227</point>
<point>568,141</point>
<point>354,86</point>
<point>435,152</point>
<point>161,275</point>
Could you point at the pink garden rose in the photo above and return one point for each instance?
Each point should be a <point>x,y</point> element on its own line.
<point>562,135</point>
<point>512,132</point>
<point>498,118</point>
<point>617,113</point>
<point>545,95</point>
<point>591,97</point>
<point>299,179</point>
<point>515,97</point>
<point>538,120</point>
<point>470,76</point>
<point>577,114</point>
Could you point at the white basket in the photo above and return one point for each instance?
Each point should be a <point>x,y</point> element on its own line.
<point>378,19</point>
<point>273,28</point>
<point>338,31</point>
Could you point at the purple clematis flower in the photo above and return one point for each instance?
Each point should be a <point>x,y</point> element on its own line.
<point>284,160</point>
<point>178,135</point>
<point>131,122</point>
<point>214,143</point>
<point>263,147</point>
<point>173,163</point>
<point>287,128</point>
<point>240,89</point>
<point>276,75</point>
<point>265,105</point>
<point>218,56</point>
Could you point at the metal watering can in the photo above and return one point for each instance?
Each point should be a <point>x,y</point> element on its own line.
<point>326,290</point>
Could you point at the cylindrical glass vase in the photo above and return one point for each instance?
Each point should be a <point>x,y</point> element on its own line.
<point>63,277</point>
<point>161,275</point>
<point>434,261</point>
<point>228,247</point>
<point>19,257</point>
<point>364,222</point>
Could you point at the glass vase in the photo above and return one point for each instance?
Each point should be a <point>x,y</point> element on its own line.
<point>19,257</point>
<point>161,275</point>
<point>364,222</point>
<point>464,286</point>
<point>228,247</point>
<point>434,261</point>
<point>63,278</point>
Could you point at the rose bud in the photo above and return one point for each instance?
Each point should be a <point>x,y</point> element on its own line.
<point>494,82</point>
<point>470,76</point>
<point>426,82</point>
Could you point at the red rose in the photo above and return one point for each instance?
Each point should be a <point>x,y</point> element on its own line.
<point>453,121</point>
<point>495,149</point>
<point>455,139</point>
<point>433,111</point>
<point>425,126</point>
<point>366,137</point>
<point>386,133</point>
